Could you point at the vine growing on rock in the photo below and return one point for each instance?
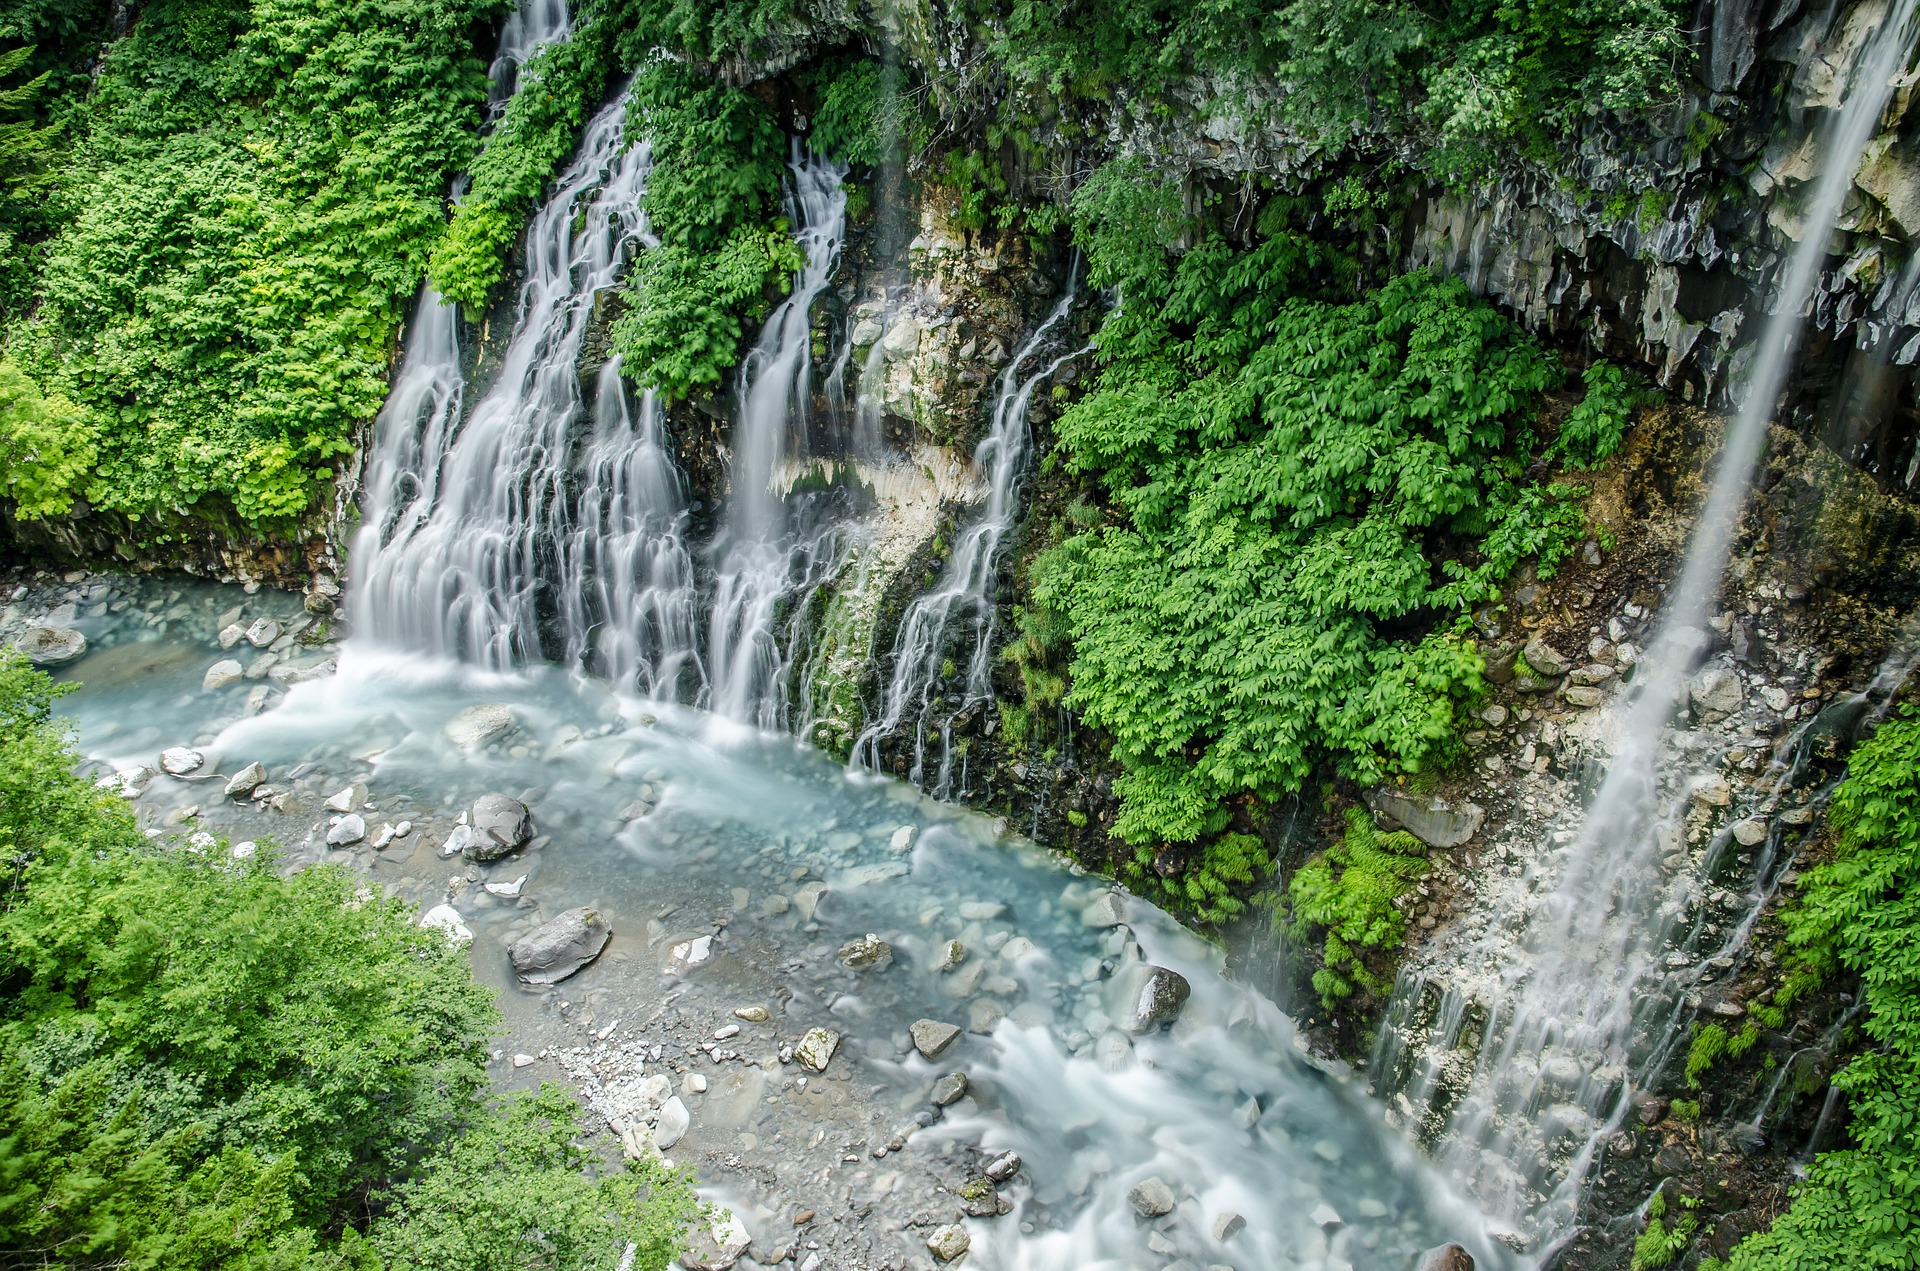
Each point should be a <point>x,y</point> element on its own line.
<point>1281,452</point>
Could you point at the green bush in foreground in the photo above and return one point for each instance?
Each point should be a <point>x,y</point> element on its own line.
<point>211,1066</point>
<point>1860,913</point>
<point>1346,895</point>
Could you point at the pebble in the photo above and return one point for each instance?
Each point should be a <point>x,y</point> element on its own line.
<point>752,1014</point>
<point>1228,1225</point>
<point>1003,1167</point>
<point>342,801</point>
<point>902,839</point>
<point>523,1060</point>
<point>696,1083</point>
<point>242,783</point>
<point>345,830</point>
<point>726,1032</point>
<point>508,890</point>
<point>689,954</point>
<point>1750,832</point>
<point>180,760</point>
<point>672,1125</point>
<point>949,1090</point>
<point>1324,1215</point>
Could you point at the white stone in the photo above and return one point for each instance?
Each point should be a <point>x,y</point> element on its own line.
<point>689,954</point>
<point>263,632</point>
<point>816,1048</point>
<point>509,890</point>
<point>1751,832</point>
<point>345,830</point>
<point>180,760</point>
<point>1325,1215</point>
<point>231,634</point>
<point>523,1060</point>
<point>242,783</point>
<point>672,1125</point>
<point>902,839</point>
<point>696,1083</point>
<point>341,802</point>
<point>475,726</point>
<point>446,918</point>
<point>949,1242</point>
<point>457,840</point>
<point>222,673</point>
<point>245,849</point>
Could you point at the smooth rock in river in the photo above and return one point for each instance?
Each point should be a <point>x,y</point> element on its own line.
<point>1003,1167</point>
<point>242,783</point>
<point>816,1049</point>
<point>1432,821</point>
<point>263,632</point>
<point>230,635</point>
<point>508,890</point>
<point>1324,1215</point>
<point>348,829</point>
<point>688,954</point>
<point>902,839</point>
<point>949,1090</point>
<point>222,673</point>
<point>1447,1257</point>
<point>931,1037</point>
<point>866,953</point>
<point>951,955</point>
<point>949,1242</point>
<point>555,950</point>
<point>51,646</point>
<point>672,1125</point>
<point>1114,1051</point>
<point>475,726</point>
<point>1158,1000</point>
<point>1107,910</point>
<point>500,825</point>
<point>458,839</point>
<point>1151,1198</point>
<point>341,801</point>
<point>1750,832</point>
<point>1228,1225</point>
<point>177,761</point>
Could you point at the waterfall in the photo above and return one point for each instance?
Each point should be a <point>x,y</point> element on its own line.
<point>528,28</point>
<point>771,553</point>
<point>461,565</point>
<point>1587,1000</point>
<point>965,593</point>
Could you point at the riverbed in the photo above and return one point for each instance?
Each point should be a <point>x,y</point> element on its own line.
<point>741,874</point>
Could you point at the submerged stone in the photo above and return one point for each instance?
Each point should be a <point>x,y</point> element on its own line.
<point>51,646</point>
<point>1158,1000</point>
<point>555,950</point>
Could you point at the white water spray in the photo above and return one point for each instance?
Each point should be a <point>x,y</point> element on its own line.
<point>461,570</point>
<point>771,554</point>
<point>965,593</point>
<point>1584,1003</point>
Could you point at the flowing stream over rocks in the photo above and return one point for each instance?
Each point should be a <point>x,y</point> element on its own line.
<point>756,892</point>
<point>1520,1056</point>
<point>966,594</point>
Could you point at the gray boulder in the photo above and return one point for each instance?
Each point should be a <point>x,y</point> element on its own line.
<point>51,646</point>
<point>177,761</point>
<point>1158,1000</point>
<point>222,673</point>
<point>555,950</point>
<point>931,1037</point>
<point>1546,659</point>
<point>1151,1198</point>
<point>347,829</point>
<point>1432,821</point>
<point>500,825</point>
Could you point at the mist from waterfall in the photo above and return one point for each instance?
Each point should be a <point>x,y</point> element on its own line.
<point>1585,1003</point>
<point>467,545</point>
<point>771,554</point>
<point>962,604</point>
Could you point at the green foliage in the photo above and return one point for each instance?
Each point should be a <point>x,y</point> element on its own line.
<point>26,170</point>
<point>718,157</point>
<point>1660,1244</point>
<point>1595,427</point>
<point>1346,895</point>
<point>1860,913</point>
<point>248,206</point>
<point>1211,887</point>
<point>209,1065</point>
<point>862,115</point>
<point>1279,460</point>
<point>516,1191</point>
<point>1470,78</point>
<point>1712,1042</point>
<point>46,446</point>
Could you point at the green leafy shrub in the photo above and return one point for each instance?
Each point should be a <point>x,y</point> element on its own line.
<point>1860,913</point>
<point>718,158</point>
<point>1660,1244</point>
<point>247,208</point>
<point>1595,427</point>
<point>209,1065</point>
<point>1346,897</point>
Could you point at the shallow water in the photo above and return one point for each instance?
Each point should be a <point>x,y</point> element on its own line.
<point>677,825</point>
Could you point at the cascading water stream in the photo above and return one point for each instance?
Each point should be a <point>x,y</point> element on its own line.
<point>632,614</point>
<point>771,552</point>
<point>531,26</point>
<point>1582,1005</point>
<point>458,567</point>
<point>965,593</point>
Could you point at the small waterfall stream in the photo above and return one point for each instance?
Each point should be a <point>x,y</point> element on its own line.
<point>965,593</point>
<point>773,552</point>
<point>466,557</point>
<point>1587,1000</point>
